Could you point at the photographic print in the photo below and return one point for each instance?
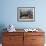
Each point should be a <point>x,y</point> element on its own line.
<point>26,14</point>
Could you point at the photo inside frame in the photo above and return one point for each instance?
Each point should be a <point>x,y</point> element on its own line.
<point>26,14</point>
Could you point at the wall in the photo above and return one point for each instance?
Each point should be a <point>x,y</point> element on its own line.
<point>9,13</point>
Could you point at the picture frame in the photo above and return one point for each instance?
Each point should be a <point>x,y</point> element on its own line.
<point>26,14</point>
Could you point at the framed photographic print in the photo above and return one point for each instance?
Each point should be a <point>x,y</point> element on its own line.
<point>26,14</point>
